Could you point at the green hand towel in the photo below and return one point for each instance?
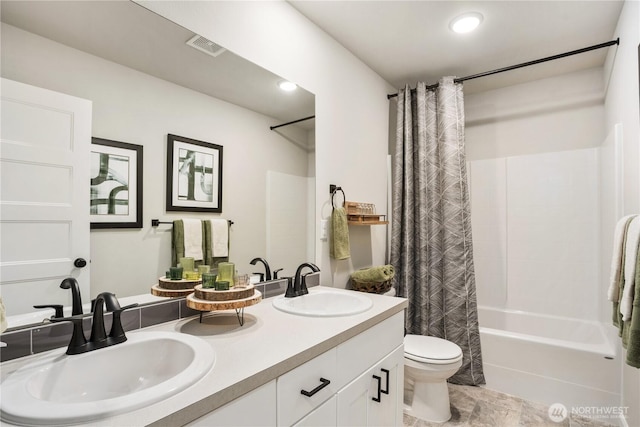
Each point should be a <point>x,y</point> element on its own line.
<point>177,242</point>
<point>339,243</point>
<point>631,330</point>
<point>177,245</point>
<point>374,274</point>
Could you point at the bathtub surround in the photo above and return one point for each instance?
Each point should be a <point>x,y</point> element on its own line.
<point>431,247</point>
<point>549,359</point>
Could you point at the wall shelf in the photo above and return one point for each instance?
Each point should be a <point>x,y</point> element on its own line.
<point>356,216</point>
<point>369,219</point>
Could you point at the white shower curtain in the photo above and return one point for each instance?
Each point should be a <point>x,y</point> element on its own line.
<point>431,247</point>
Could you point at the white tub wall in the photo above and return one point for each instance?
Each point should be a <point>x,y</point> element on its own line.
<point>621,106</point>
<point>534,186</point>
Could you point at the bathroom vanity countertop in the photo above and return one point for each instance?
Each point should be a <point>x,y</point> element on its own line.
<point>269,344</point>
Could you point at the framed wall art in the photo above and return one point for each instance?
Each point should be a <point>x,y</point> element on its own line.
<point>194,175</point>
<point>116,184</point>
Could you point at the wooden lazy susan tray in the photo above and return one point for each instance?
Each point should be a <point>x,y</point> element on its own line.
<point>204,299</point>
<point>174,288</point>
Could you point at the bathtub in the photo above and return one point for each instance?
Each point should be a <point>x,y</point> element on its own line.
<point>549,359</point>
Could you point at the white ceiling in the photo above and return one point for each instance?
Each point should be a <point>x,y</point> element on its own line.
<point>410,41</point>
<point>128,34</point>
<point>403,41</point>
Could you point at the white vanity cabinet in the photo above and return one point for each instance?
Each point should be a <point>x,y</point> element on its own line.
<point>347,399</point>
<point>339,387</point>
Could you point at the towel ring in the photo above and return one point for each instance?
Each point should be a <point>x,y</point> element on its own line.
<point>333,195</point>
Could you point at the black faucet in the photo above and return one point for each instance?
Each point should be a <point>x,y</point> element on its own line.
<point>267,269</point>
<point>99,338</point>
<point>71,283</point>
<point>68,283</point>
<point>298,286</point>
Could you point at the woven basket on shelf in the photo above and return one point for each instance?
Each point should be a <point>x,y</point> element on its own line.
<point>371,287</point>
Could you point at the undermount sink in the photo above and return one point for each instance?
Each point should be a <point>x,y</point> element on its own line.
<point>325,302</point>
<point>59,389</point>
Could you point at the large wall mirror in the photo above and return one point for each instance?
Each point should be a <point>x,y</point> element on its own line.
<point>145,82</point>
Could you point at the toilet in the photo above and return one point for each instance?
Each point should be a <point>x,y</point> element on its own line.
<point>428,363</point>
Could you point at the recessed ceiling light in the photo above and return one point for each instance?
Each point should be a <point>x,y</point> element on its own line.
<point>466,22</point>
<point>287,86</point>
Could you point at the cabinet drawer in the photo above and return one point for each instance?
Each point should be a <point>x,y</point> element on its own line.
<point>364,350</point>
<point>292,404</point>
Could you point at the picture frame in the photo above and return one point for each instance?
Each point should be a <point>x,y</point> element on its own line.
<point>194,175</point>
<point>116,184</point>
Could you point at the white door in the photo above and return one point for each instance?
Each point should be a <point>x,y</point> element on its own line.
<point>45,140</point>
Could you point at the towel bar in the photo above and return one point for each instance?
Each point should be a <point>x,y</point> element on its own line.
<point>334,189</point>
<point>157,222</point>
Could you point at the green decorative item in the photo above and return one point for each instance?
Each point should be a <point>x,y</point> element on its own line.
<point>187,263</point>
<point>226,271</point>
<point>175,273</point>
<point>222,285</point>
<point>208,280</point>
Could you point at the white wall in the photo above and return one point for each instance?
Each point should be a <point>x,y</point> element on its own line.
<point>621,106</point>
<point>133,107</point>
<point>553,114</point>
<point>351,105</point>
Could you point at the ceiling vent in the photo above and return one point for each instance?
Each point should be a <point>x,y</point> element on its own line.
<point>206,45</point>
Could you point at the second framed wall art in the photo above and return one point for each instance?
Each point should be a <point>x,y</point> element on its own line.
<point>194,175</point>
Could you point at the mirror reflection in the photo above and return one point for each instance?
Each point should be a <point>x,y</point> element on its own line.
<point>144,82</point>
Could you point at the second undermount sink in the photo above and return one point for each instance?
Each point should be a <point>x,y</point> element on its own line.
<point>325,302</point>
<point>60,390</point>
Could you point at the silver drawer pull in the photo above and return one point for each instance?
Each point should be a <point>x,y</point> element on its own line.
<point>325,382</point>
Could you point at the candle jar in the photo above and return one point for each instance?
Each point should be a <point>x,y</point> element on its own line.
<point>226,271</point>
<point>187,263</point>
<point>208,280</point>
<point>222,285</point>
<point>204,269</point>
<point>175,273</point>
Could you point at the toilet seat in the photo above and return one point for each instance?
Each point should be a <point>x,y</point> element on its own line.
<point>432,350</point>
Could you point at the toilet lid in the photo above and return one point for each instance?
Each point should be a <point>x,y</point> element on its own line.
<point>420,347</point>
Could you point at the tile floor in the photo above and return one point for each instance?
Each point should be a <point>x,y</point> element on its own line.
<point>479,407</point>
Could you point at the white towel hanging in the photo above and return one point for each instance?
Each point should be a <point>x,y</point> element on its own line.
<point>617,259</point>
<point>220,237</point>
<point>193,238</point>
<point>630,259</point>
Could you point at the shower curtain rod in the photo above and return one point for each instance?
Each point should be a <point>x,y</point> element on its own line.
<point>293,122</point>
<point>525,64</point>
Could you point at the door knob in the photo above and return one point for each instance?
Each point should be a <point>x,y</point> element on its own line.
<point>80,262</point>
